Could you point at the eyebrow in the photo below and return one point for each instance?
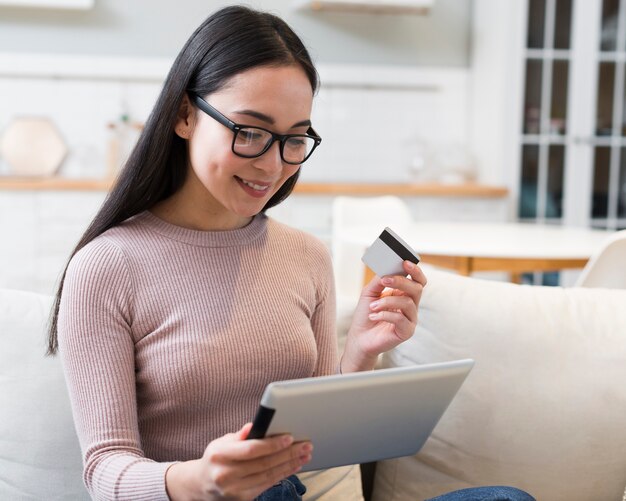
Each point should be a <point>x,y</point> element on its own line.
<point>265,118</point>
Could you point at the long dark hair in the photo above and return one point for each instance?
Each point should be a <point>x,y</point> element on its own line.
<point>232,40</point>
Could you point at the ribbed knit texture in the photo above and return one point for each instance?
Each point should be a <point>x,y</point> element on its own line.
<point>168,337</point>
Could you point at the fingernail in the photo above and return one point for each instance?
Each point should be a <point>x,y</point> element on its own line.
<point>307,448</point>
<point>374,316</point>
<point>287,440</point>
<point>387,281</point>
<point>374,304</point>
<point>410,265</point>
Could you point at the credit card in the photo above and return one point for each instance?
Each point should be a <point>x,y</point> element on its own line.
<point>386,255</point>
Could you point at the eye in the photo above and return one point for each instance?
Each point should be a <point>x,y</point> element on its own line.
<point>296,142</point>
<point>252,135</point>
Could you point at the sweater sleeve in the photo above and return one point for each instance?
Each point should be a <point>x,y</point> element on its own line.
<point>97,352</point>
<point>323,321</point>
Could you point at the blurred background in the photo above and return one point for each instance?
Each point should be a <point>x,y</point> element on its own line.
<point>469,110</point>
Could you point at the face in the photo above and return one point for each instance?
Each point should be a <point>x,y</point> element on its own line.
<point>228,188</point>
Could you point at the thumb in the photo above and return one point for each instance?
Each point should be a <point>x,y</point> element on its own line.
<point>373,288</point>
<point>243,433</point>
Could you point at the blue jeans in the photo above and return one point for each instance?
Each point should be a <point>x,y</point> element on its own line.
<point>289,489</point>
<point>497,493</point>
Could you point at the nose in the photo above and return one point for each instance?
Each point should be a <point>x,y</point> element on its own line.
<point>271,161</point>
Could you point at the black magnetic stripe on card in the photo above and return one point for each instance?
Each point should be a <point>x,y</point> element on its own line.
<point>402,252</point>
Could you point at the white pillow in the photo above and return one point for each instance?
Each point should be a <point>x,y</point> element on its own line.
<point>39,453</point>
<point>544,408</point>
<point>342,483</point>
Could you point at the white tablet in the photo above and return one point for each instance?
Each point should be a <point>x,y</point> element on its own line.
<point>363,416</point>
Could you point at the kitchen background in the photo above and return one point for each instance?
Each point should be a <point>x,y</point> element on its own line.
<point>486,108</point>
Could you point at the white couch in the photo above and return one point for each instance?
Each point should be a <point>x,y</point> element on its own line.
<point>544,408</point>
<point>39,453</point>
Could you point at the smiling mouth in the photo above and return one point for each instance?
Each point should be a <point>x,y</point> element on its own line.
<point>257,187</point>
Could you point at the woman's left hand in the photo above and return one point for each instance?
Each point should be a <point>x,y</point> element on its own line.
<point>385,316</point>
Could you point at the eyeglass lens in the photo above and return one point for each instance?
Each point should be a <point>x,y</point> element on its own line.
<point>251,142</point>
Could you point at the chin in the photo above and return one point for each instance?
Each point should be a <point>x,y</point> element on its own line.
<point>250,212</point>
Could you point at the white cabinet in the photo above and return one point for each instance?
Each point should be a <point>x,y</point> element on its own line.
<point>547,115</point>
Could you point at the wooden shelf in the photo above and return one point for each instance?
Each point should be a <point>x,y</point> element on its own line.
<point>53,184</point>
<point>354,189</point>
<point>404,189</point>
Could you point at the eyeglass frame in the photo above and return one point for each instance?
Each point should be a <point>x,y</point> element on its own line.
<point>236,127</point>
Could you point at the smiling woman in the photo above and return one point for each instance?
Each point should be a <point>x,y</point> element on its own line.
<point>183,300</point>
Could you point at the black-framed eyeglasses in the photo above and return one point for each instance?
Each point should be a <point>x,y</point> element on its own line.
<point>251,142</point>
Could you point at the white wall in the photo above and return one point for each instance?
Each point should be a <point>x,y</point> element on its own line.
<point>372,119</point>
<point>158,28</point>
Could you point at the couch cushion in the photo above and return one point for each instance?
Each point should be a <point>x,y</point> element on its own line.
<point>342,483</point>
<point>39,453</point>
<point>545,406</point>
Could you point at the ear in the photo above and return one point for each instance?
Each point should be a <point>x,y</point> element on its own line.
<point>185,119</point>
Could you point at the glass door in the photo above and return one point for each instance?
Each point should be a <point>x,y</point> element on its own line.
<point>545,114</point>
<point>545,118</point>
<point>573,146</point>
<point>573,131</point>
<point>608,191</point>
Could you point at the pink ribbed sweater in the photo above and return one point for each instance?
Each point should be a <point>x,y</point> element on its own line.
<point>168,337</point>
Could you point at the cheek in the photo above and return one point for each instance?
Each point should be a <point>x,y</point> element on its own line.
<point>289,171</point>
<point>210,143</point>
<point>210,157</point>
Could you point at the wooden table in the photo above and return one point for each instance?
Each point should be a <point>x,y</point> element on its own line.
<point>508,247</point>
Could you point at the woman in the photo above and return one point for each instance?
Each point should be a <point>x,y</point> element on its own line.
<point>182,301</point>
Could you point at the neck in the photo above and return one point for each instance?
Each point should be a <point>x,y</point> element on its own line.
<point>184,209</point>
<point>169,211</point>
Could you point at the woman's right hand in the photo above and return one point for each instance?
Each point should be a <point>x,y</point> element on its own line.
<point>234,468</point>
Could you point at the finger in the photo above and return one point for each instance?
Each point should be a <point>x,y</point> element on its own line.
<point>259,482</point>
<point>403,303</point>
<point>294,454</point>
<point>237,436</point>
<point>413,285</point>
<point>261,474</point>
<point>415,272</point>
<point>244,432</point>
<point>403,327</point>
<point>373,288</point>
<point>402,285</point>
<point>229,449</point>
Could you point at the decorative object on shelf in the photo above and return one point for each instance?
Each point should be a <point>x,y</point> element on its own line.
<point>420,163</point>
<point>420,7</point>
<point>123,134</point>
<point>445,163</point>
<point>33,146</point>
<point>50,4</point>
<point>455,164</point>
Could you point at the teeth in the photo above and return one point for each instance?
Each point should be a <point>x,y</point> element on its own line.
<point>254,186</point>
